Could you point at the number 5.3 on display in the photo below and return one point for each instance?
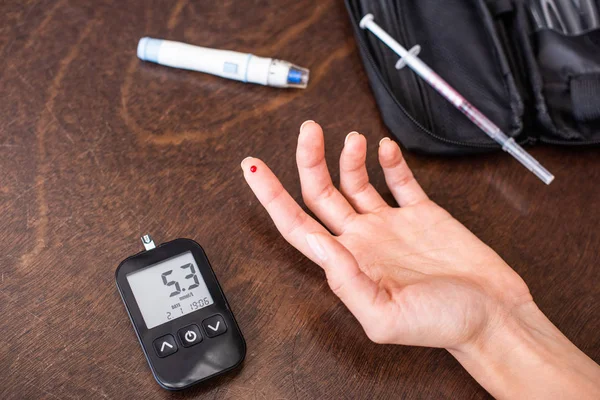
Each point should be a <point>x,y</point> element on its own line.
<point>177,291</point>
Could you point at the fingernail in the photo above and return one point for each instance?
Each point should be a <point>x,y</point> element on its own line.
<point>348,136</point>
<point>315,246</point>
<point>310,121</point>
<point>244,160</point>
<point>383,140</point>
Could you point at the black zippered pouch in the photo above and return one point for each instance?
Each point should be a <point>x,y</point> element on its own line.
<point>537,86</point>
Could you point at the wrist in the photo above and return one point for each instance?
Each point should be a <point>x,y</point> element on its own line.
<point>520,353</point>
<point>515,328</point>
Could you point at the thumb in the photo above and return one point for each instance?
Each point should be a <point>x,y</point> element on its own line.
<point>356,290</point>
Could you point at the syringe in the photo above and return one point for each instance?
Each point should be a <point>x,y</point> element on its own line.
<point>410,59</point>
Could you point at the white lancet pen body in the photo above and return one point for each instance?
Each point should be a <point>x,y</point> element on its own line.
<point>410,59</point>
<point>224,63</point>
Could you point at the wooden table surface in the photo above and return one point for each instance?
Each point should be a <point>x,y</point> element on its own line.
<point>97,148</point>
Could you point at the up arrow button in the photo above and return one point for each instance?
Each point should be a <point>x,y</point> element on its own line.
<point>165,346</point>
<point>214,326</point>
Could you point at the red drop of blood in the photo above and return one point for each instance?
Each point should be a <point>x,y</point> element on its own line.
<point>253,168</point>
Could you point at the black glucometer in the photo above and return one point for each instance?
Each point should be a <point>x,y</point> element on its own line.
<point>179,313</point>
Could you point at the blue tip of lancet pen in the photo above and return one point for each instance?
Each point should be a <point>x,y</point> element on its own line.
<point>409,58</point>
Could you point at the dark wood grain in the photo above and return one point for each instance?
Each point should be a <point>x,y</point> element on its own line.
<point>97,148</point>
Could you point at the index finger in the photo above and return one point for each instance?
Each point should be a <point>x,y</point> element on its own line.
<point>289,218</point>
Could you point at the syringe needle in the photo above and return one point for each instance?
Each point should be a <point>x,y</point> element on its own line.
<point>411,59</point>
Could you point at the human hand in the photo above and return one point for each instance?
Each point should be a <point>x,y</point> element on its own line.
<point>411,275</point>
<point>415,276</point>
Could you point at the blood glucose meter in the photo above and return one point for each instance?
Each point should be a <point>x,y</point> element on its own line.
<point>180,314</point>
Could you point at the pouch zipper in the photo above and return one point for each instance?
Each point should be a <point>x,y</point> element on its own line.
<point>421,86</point>
<point>571,144</point>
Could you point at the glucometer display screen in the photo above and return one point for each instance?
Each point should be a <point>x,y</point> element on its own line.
<point>169,289</point>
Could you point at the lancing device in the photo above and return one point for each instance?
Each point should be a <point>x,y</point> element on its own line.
<point>227,64</point>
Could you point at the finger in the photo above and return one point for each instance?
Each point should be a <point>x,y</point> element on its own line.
<point>405,189</point>
<point>289,218</point>
<point>354,179</point>
<point>356,290</point>
<point>318,191</point>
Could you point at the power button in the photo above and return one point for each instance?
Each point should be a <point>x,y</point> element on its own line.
<point>190,335</point>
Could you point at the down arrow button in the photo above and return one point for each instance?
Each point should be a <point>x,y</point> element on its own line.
<point>214,326</point>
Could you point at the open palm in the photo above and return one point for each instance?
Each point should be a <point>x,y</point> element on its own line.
<point>411,275</point>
